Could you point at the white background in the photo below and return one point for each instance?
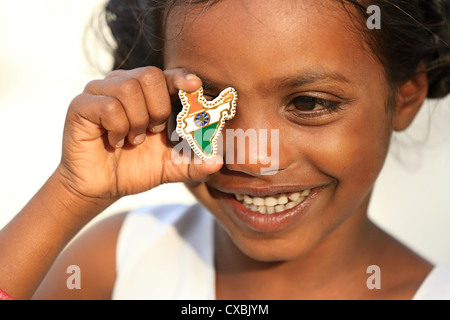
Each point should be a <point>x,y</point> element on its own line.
<point>42,67</point>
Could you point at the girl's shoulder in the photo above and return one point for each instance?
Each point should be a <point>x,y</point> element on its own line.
<point>86,268</point>
<point>436,285</point>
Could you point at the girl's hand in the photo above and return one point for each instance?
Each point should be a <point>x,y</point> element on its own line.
<point>115,140</point>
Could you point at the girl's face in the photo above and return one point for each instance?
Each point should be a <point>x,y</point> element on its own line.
<point>302,68</point>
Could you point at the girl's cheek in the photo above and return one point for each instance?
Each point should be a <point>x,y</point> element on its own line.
<point>350,152</point>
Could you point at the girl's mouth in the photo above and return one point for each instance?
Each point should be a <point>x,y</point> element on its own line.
<point>272,204</point>
<point>268,210</point>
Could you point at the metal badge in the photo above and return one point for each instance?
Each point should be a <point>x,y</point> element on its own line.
<point>200,121</point>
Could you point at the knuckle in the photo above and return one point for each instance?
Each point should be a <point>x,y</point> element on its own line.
<point>91,86</point>
<point>78,100</point>
<point>80,103</point>
<point>152,76</point>
<point>113,111</point>
<point>111,105</point>
<point>129,87</point>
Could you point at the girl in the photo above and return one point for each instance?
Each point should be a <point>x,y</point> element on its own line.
<point>332,87</point>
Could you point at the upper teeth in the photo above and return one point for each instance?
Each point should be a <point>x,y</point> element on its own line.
<point>272,204</point>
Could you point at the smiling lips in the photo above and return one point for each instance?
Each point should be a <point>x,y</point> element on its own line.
<point>273,204</point>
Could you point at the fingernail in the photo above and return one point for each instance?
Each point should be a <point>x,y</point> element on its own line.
<point>192,77</point>
<point>139,139</point>
<point>120,144</point>
<point>159,128</point>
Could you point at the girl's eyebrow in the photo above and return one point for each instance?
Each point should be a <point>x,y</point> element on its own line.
<point>307,77</point>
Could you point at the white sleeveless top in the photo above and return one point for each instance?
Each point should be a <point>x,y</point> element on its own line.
<point>166,253</point>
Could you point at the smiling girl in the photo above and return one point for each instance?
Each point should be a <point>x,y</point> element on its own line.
<point>333,88</point>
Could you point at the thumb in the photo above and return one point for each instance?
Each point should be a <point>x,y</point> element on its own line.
<point>199,171</point>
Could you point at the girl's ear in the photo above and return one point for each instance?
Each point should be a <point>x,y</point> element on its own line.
<point>410,98</point>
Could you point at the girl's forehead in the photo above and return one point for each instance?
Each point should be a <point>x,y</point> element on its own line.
<point>265,20</point>
<point>270,15</point>
<point>255,35</point>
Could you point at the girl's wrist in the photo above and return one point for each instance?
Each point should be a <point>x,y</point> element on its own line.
<point>76,205</point>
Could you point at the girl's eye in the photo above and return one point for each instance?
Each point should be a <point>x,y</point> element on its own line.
<point>313,108</point>
<point>306,103</point>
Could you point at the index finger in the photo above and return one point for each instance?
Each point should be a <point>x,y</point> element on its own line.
<point>181,79</point>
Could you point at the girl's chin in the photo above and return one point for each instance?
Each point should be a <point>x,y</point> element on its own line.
<point>268,252</point>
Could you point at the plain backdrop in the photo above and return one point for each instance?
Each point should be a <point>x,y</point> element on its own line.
<point>43,67</point>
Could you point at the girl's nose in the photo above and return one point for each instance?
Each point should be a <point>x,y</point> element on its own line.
<point>251,142</point>
<point>254,151</point>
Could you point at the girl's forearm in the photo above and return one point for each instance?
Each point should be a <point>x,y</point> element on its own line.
<point>33,239</point>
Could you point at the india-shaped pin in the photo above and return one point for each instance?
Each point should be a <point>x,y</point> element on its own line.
<point>200,121</point>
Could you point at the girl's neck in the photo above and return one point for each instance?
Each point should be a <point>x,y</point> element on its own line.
<point>336,268</point>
